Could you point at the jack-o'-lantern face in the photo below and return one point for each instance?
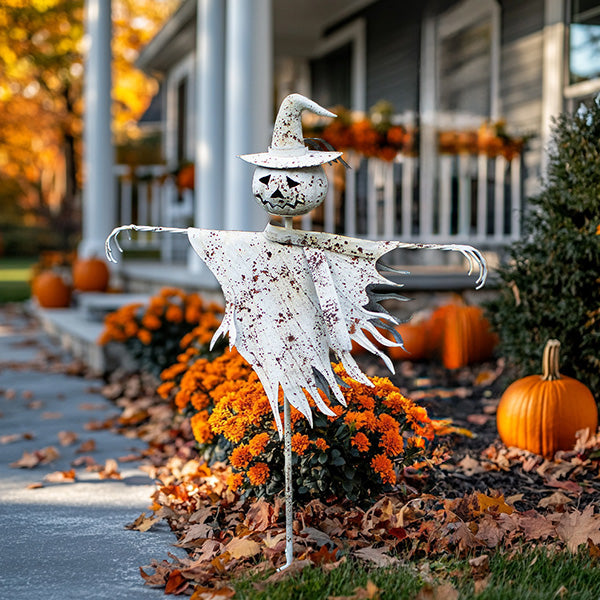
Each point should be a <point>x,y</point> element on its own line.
<point>289,192</point>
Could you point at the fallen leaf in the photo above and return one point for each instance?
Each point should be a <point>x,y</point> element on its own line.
<point>66,438</point>
<point>61,476</point>
<point>110,470</point>
<point>323,555</point>
<point>258,516</point>
<point>554,500</point>
<point>205,593</point>
<point>561,592</point>
<point>15,437</point>
<point>567,486</point>
<point>87,446</point>
<point>480,566</point>
<point>26,394</point>
<point>38,457</point>
<point>576,528</point>
<point>242,547</point>
<point>200,531</point>
<point>36,485</point>
<point>142,523</point>
<point>369,592</point>
<point>376,556</point>
<point>10,394</point>
<point>494,504</point>
<point>92,406</point>
<point>535,526</point>
<point>445,591</point>
<point>478,419</point>
<point>48,415</point>
<point>35,405</point>
<point>315,535</point>
<point>176,583</point>
<point>470,466</point>
<point>129,458</point>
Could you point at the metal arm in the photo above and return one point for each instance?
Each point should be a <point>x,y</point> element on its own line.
<point>115,232</point>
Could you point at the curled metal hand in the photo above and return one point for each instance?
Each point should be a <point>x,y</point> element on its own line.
<point>148,228</point>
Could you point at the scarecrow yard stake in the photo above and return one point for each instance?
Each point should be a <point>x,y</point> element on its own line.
<point>293,297</point>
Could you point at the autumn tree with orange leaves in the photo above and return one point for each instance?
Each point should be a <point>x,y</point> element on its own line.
<point>41,104</point>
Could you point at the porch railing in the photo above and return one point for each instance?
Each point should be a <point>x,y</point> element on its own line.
<point>149,195</point>
<point>472,198</point>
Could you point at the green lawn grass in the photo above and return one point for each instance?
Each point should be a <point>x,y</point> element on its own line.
<point>534,574</point>
<point>15,274</point>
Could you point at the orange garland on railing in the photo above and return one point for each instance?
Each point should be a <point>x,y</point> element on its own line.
<point>377,135</point>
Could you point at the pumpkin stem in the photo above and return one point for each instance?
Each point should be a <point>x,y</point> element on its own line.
<point>550,362</point>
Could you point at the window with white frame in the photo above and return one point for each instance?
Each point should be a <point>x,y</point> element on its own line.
<point>467,60</point>
<point>583,34</point>
<point>338,68</point>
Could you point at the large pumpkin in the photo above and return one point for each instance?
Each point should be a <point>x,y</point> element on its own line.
<point>461,335</point>
<point>90,275</point>
<point>50,290</point>
<point>542,413</point>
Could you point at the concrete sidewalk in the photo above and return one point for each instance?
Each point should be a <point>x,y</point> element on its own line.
<point>66,540</point>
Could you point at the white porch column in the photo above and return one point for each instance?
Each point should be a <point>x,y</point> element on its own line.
<point>99,198</point>
<point>210,126</point>
<point>248,105</point>
<point>209,142</point>
<point>553,69</point>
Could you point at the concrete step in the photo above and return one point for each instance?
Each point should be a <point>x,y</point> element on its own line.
<point>78,328</point>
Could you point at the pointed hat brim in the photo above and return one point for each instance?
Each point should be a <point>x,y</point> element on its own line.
<point>311,158</point>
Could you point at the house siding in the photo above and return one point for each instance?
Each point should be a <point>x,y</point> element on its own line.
<point>521,77</point>
<point>393,49</point>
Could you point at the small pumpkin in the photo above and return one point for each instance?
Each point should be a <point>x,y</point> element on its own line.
<point>461,335</point>
<point>90,275</point>
<point>185,177</point>
<point>414,337</point>
<point>542,413</point>
<point>50,290</point>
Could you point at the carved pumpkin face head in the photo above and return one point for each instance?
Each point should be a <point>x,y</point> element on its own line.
<point>289,192</point>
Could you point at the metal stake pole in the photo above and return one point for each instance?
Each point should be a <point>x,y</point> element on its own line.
<point>289,508</point>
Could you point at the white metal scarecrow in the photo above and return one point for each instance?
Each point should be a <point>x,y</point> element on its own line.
<point>293,298</point>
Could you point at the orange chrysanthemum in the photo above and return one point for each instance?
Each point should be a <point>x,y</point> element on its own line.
<point>200,428</point>
<point>383,466</point>
<point>144,336</point>
<point>234,481</point>
<point>321,444</point>
<point>391,442</point>
<point>300,443</point>
<point>361,442</point>
<point>258,473</point>
<point>258,443</point>
<point>240,457</point>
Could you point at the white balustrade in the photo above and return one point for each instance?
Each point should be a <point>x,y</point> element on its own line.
<point>474,199</point>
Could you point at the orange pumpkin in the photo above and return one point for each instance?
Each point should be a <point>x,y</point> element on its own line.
<point>50,290</point>
<point>90,275</point>
<point>542,413</point>
<point>185,177</point>
<point>461,335</point>
<point>414,336</point>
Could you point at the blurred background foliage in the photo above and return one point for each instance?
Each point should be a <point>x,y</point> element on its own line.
<point>42,45</point>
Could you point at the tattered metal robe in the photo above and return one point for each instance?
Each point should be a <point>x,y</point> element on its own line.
<point>293,297</point>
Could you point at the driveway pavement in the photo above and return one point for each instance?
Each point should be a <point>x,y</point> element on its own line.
<point>65,539</point>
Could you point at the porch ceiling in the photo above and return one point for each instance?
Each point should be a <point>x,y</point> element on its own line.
<point>299,26</point>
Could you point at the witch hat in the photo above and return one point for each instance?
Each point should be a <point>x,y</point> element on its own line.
<point>287,149</point>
